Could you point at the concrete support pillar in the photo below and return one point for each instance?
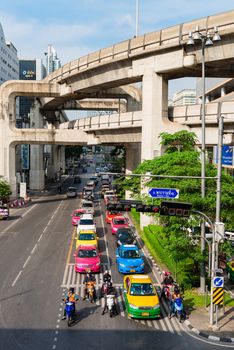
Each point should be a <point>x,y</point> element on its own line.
<point>154,110</point>
<point>133,158</point>
<point>11,178</point>
<point>37,173</point>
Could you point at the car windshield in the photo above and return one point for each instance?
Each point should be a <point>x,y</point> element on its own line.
<point>86,236</point>
<point>87,205</point>
<point>142,289</point>
<point>71,190</point>
<point>91,253</point>
<point>130,254</point>
<point>86,222</point>
<point>119,221</point>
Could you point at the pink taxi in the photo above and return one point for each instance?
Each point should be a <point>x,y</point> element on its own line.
<point>76,215</point>
<point>87,258</point>
<point>117,222</point>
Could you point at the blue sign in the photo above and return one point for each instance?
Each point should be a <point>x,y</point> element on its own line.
<point>218,282</point>
<point>227,155</point>
<point>164,193</point>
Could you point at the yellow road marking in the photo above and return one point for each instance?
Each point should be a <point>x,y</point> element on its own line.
<point>71,245</point>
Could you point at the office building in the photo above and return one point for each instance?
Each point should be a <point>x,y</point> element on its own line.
<point>184,97</point>
<point>9,63</point>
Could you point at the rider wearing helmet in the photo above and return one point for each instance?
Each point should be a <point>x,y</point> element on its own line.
<point>106,276</point>
<point>88,278</point>
<point>110,291</point>
<point>176,294</point>
<point>72,297</point>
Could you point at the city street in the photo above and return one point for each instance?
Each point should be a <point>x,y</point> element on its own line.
<point>37,268</point>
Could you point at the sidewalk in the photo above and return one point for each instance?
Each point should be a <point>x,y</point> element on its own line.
<point>199,319</point>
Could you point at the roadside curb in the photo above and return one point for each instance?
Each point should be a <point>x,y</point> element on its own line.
<point>189,326</point>
<point>208,336</point>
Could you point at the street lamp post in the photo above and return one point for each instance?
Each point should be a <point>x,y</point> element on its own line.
<point>205,39</point>
<point>137,18</point>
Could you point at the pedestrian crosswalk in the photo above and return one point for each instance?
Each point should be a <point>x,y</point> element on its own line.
<point>164,324</point>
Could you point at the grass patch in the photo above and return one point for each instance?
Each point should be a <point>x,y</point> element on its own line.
<point>193,299</point>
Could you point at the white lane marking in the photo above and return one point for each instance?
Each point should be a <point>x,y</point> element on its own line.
<point>29,257</point>
<point>149,323</point>
<point>16,221</point>
<point>107,250</point>
<point>34,248</point>
<point>40,237</point>
<point>17,277</point>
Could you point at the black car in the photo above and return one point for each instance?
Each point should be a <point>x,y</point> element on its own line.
<point>125,236</point>
<point>77,179</point>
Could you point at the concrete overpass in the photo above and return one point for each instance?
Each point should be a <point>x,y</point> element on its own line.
<point>152,59</point>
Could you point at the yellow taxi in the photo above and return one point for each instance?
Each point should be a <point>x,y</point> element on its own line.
<point>86,237</point>
<point>140,296</point>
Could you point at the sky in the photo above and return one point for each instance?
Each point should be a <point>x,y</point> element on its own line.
<point>78,27</point>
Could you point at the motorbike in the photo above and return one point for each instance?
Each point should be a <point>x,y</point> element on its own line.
<point>179,309</point>
<point>110,302</point>
<point>70,311</point>
<point>105,287</point>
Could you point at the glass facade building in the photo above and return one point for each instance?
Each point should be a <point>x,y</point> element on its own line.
<point>9,63</point>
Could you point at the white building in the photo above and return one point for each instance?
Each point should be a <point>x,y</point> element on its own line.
<point>184,97</point>
<point>9,63</point>
<point>52,60</point>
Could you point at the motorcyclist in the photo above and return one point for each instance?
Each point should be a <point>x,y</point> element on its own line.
<point>72,297</point>
<point>106,283</point>
<point>168,279</point>
<point>176,295</point>
<point>110,291</point>
<point>89,278</point>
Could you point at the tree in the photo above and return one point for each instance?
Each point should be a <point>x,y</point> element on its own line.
<point>181,158</point>
<point>5,191</point>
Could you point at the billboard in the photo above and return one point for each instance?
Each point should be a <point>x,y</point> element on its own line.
<point>24,157</point>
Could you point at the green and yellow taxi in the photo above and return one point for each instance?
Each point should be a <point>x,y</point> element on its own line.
<point>86,237</point>
<point>140,296</point>
<point>230,270</point>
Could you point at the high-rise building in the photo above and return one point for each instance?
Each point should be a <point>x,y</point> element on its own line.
<point>52,60</point>
<point>9,63</point>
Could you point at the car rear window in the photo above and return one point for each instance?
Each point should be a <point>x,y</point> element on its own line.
<point>87,205</point>
<point>86,222</point>
<point>86,237</point>
<point>120,221</point>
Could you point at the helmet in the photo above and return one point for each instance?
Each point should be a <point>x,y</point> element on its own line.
<point>176,289</point>
<point>71,290</point>
<point>106,272</point>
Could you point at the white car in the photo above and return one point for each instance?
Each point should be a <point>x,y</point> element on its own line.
<point>86,223</point>
<point>87,206</point>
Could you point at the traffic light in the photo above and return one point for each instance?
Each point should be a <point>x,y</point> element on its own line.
<point>119,207</point>
<point>175,208</point>
<point>147,208</point>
